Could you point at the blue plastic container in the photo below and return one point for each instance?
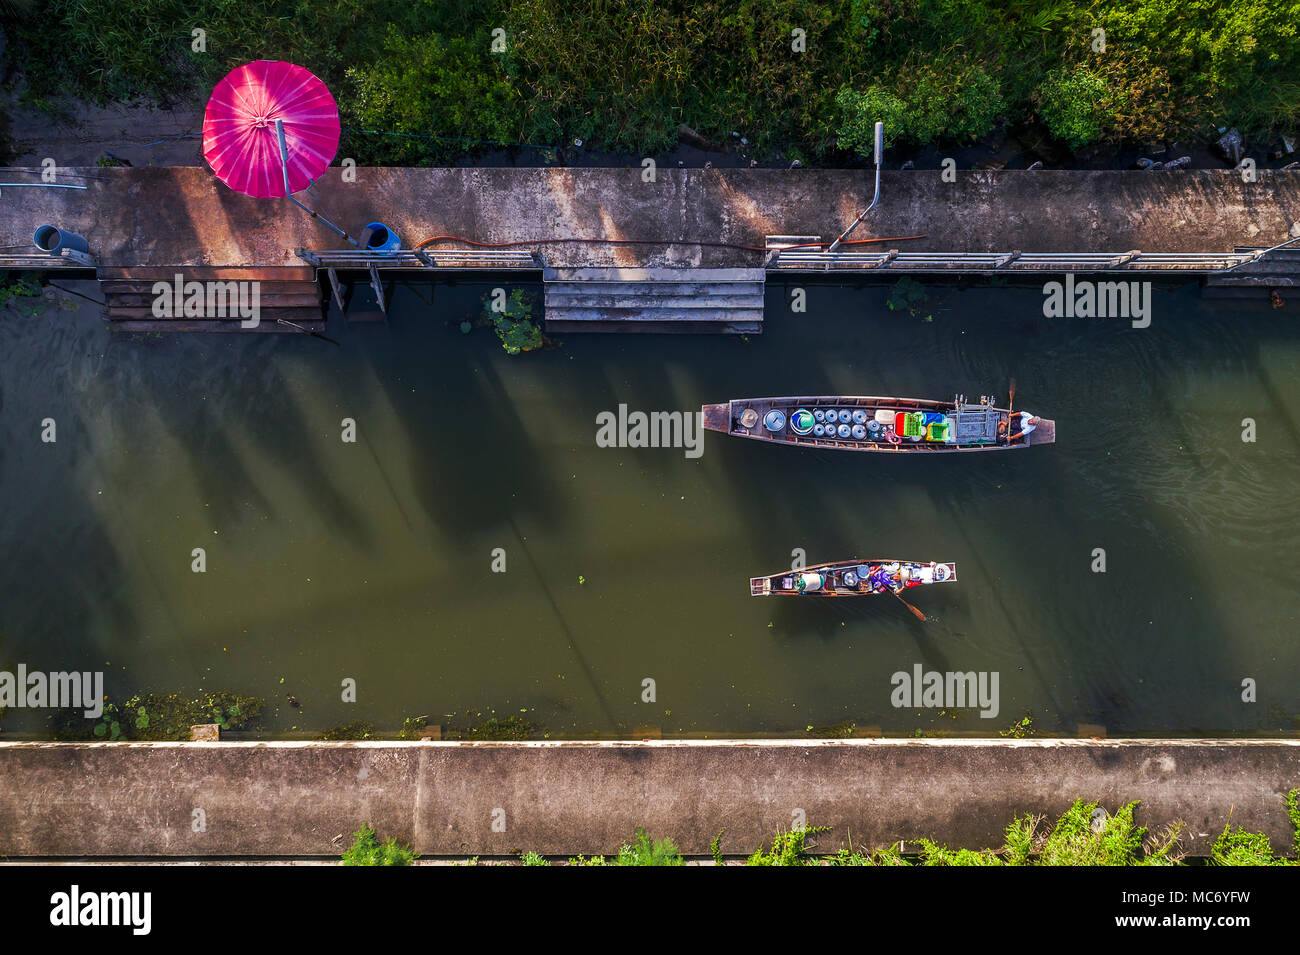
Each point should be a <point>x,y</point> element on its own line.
<point>380,238</point>
<point>54,240</point>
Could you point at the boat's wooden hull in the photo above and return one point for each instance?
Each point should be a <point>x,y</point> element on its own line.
<point>853,578</point>
<point>969,427</point>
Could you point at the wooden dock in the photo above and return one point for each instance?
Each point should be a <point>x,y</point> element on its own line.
<point>289,299</point>
<point>597,227</point>
<point>726,301</point>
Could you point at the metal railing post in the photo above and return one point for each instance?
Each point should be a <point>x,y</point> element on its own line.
<point>880,155</point>
<point>284,168</point>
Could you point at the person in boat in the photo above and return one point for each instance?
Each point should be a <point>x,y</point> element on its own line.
<point>1028,422</point>
<point>882,580</point>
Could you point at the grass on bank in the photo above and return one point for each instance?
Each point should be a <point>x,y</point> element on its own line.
<point>1084,835</point>
<point>793,77</point>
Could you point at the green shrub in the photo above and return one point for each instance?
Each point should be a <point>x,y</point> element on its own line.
<point>430,86</point>
<point>532,858</point>
<point>1071,102</point>
<point>789,847</point>
<point>366,849</point>
<point>860,111</point>
<point>1236,846</point>
<point>935,854</point>
<point>642,851</point>
<point>950,98</point>
<point>1293,811</point>
<point>1118,97</point>
<point>623,74</point>
<point>1073,841</point>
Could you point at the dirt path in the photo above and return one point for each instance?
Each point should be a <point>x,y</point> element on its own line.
<point>78,134</point>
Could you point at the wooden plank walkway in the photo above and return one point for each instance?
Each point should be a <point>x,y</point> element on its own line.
<point>728,301</point>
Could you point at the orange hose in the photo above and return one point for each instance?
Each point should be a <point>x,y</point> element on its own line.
<point>605,241</point>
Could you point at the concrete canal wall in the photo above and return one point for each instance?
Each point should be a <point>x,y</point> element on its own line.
<point>236,799</point>
<point>176,216</point>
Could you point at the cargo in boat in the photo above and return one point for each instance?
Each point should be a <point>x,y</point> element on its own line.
<point>845,423</point>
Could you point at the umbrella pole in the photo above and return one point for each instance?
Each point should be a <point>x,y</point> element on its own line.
<point>284,168</point>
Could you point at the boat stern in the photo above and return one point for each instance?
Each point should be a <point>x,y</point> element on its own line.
<point>760,586</point>
<point>1044,433</point>
<point>717,417</point>
<point>942,573</point>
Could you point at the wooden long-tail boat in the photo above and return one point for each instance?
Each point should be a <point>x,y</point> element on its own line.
<point>853,578</point>
<point>846,423</point>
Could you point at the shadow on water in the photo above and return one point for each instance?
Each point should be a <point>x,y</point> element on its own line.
<point>470,446</point>
<point>1101,386</point>
<point>441,401</point>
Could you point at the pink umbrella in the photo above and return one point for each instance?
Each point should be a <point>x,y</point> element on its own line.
<point>240,138</point>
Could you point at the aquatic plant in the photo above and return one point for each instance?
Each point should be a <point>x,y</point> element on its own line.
<point>20,288</point>
<point>909,295</point>
<point>513,324</point>
<point>502,728</point>
<point>156,717</point>
<point>357,729</point>
<point>1020,729</point>
<point>841,730</point>
<point>413,727</point>
<point>366,849</point>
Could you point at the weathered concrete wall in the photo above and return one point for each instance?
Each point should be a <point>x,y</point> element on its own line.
<point>292,799</point>
<point>183,215</point>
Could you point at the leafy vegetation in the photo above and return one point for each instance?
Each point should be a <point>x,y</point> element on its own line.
<point>357,729</point>
<point>1236,846</point>
<point>789,77</point>
<point>1085,835</point>
<point>158,717</point>
<point>910,296</point>
<point>642,850</point>
<point>20,288</point>
<point>1020,729</point>
<point>514,323</point>
<point>789,847</point>
<point>366,849</point>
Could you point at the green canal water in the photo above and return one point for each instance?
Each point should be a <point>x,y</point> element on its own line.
<point>372,560</point>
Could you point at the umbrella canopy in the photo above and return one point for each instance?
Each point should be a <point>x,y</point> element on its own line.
<point>239,131</point>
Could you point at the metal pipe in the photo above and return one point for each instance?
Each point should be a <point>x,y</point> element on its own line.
<point>41,185</point>
<point>1263,254</point>
<point>880,155</point>
<point>284,168</point>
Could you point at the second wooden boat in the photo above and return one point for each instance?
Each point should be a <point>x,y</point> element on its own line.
<point>853,578</point>
<point>857,423</point>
